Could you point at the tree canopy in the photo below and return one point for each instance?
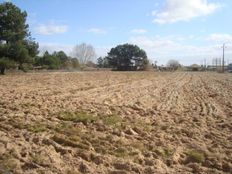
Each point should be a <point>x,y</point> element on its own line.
<point>16,45</point>
<point>103,62</point>
<point>127,57</point>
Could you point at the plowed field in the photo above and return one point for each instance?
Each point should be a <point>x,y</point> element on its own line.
<point>115,122</point>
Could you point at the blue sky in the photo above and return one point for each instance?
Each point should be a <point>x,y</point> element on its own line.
<point>187,30</point>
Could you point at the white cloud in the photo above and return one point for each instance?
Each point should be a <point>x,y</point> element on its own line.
<point>217,37</point>
<point>138,31</point>
<point>96,31</point>
<point>52,28</point>
<point>183,10</point>
<point>165,48</point>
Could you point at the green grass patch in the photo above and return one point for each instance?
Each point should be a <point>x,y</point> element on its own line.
<point>76,117</point>
<point>165,153</point>
<point>112,120</point>
<point>195,156</point>
<point>67,129</point>
<point>34,127</point>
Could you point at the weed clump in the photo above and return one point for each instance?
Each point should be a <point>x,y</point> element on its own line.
<point>112,120</point>
<point>77,117</point>
<point>195,157</point>
<point>35,127</point>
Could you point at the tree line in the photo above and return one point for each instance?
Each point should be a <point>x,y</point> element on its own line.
<point>19,50</point>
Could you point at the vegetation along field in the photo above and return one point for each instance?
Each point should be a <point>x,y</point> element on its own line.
<point>116,122</point>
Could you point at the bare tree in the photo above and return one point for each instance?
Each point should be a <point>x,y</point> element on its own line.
<point>173,64</point>
<point>84,53</point>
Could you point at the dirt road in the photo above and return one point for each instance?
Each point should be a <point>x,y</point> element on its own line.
<point>115,122</point>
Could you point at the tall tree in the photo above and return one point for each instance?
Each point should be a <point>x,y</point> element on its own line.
<point>15,41</point>
<point>127,57</point>
<point>84,53</point>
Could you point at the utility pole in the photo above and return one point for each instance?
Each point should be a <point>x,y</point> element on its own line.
<point>216,63</point>
<point>223,57</point>
<point>205,65</point>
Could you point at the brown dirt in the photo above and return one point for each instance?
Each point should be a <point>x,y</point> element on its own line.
<point>117,123</point>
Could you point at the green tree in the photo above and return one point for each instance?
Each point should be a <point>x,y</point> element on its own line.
<point>127,57</point>
<point>62,57</point>
<point>100,62</point>
<point>103,62</point>
<point>51,61</point>
<point>15,41</point>
<point>32,47</point>
<point>38,61</point>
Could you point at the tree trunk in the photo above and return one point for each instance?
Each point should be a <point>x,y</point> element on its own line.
<point>2,71</point>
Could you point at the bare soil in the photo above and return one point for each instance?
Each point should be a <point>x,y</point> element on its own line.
<point>115,122</point>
